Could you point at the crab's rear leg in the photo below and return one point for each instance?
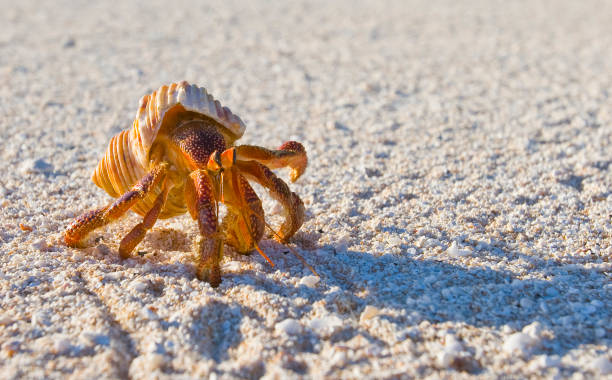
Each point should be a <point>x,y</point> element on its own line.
<point>291,154</point>
<point>202,205</point>
<point>135,236</point>
<point>291,202</point>
<point>89,221</point>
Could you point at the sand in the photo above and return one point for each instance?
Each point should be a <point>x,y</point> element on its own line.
<point>458,195</point>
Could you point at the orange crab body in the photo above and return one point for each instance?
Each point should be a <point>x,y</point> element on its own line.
<point>179,156</point>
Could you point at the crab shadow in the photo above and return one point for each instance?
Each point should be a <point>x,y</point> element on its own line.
<point>429,290</point>
<point>438,291</point>
<point>214,328</point>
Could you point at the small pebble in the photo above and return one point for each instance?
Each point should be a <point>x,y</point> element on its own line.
<point>526,303</point>
<point>61,346</point>
<point>602,365</point>
<point>310,281</point>
<point>368,313</point>
<point>552,292</point>
<point>39,319</point>
<point>395,241</point>
<point>289,326</point>
<point>588,308</point>
<point>146,364</point>
<point>325,326</point>
<point>149,314</point>
<point>518,343</point>
<point>93,338</point>
<point>534,330</point>
<point>5,320</point>
<point>232,266</point>
<point>445,359</point>
<point>454,251</point>
<point>113,276</point>
<point>452,349</point>
<point>452,344</point>
<point>140,286</point>
<point>548,361</point>
<point>39,245</point>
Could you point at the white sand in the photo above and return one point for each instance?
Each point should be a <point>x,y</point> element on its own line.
<point>458,196</point>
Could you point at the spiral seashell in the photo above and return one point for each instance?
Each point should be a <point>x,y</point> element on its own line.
<point>127,157</point>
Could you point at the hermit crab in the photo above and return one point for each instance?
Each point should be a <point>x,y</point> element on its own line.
<point>180,155</point>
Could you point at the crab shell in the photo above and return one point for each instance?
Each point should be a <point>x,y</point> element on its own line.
<point>127,158</point>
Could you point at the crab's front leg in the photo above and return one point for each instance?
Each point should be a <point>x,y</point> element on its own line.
<point>202,205</point>
<point>86,223</point>
<point>290,153</point>
<point>292,204</point>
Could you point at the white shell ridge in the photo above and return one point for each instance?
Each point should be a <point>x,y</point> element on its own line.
<point>153,107</point>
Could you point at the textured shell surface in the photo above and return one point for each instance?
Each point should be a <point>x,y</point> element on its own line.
<point>127,157</point>
<point>152,109</point>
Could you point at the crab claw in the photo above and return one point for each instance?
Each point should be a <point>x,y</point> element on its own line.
<point>298,162</point>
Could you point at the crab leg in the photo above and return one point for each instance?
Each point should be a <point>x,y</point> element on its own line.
<point>244,223</point>
<point>89,221</point>
<point>135,236</point>
<point>292,204</point>
<point>200,199</point>
<point>291,154</point>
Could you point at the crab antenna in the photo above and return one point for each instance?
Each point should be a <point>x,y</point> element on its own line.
<point>263,254</point>
<point>295,253</point>
<point>221,193</point>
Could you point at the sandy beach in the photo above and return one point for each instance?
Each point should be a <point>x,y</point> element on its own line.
<point>458,195</point>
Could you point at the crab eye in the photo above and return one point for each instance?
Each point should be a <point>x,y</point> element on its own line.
<point>214,162</point>
<point>228,158</point>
